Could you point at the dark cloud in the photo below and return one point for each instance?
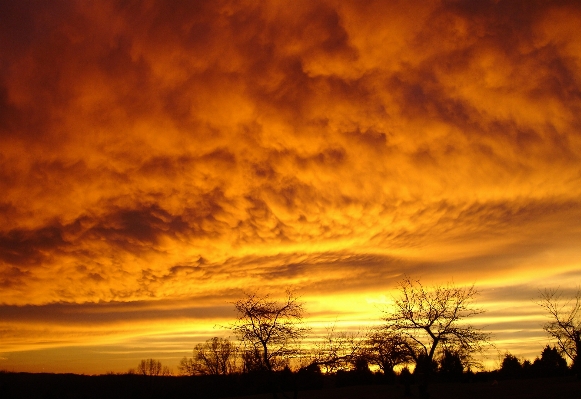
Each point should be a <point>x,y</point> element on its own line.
<point>110,313</point>
<point>139,227</point>
<point>123,228</point>
<point>13,278</point>
<point>30,247</point>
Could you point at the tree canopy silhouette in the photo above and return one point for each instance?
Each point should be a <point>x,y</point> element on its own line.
<point>387,348</point>
<point>270,329</point>
<point>433,319</point>
<point>339,350</point>
<point>551,363</point>
<point>217,356</point>
<point>565,323</point>
<point>152,367</point>
<point>511,366</point>
<point>450,365</point>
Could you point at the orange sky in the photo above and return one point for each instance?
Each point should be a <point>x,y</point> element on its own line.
<point>158,158</point>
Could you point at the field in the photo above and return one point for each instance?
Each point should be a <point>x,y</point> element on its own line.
<point>65,386</point>
<point>541,388</point>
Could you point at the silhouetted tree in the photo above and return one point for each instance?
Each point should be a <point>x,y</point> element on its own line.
<point>405,378</point>
<point>270,330</point>
<point>387,348</point>
<point>251,361</point>
<point>425,366</point>
<point>217,356</point>
<point>362,373</point>
<point>310,377</point>
<point>450,365</point>
<point>152,367</point>
<point>527,367</point>
<point>551,363</point>
<point>565,324</point>
<point>339,351</point>
<point>510,366</point>
<point>432,319</point>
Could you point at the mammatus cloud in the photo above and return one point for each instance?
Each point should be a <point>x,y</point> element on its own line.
<point>155,152</point>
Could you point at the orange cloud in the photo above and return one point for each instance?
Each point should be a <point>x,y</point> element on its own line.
<point>153,153</point>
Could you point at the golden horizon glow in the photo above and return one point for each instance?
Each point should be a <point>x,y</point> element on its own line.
<point>159,159</point>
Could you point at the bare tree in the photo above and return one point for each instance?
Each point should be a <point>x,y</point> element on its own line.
<point>217,356</point>
<point>432,319</point>
<point>381,346</point>
<point>152,367</point>
<point>565,323</point>
<point>339,350</point>
<point>387,347</point>
<point>270,328</point>
<point>270,331</point>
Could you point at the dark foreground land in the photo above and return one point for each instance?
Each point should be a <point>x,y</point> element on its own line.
<point>64,386</point>
<point>541,388</point>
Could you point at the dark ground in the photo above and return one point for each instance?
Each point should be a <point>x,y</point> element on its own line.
<point>65,386</point>
<point>541,388</point>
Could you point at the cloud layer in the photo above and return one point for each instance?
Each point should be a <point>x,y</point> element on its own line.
<point>177,151</point>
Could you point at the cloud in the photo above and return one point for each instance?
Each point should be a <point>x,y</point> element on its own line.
<point>155,151</point>
<point>111,313</point>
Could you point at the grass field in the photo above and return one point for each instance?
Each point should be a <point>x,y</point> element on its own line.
<point>541,388</point>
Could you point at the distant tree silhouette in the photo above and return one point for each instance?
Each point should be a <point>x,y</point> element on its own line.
<point>432,318</point>
<point>310,377</point>
<point>217,356</point>
<point>565,323</point>
<point>527,368</point>
<point>363,374</point>
<point>388,348</point>
<point>551,363</point>
<point>510,366</point>
<point>450,365</point>
<point>406,378</point>
<point>152,367</point>
<point>339,350</point>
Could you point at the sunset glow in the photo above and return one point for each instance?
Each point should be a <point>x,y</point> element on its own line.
<point>158,159</point>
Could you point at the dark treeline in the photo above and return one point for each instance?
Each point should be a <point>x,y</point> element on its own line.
<point>447,370</point>
<point>550,364</point>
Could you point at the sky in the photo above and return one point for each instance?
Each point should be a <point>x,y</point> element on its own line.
<point>158,159</point>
